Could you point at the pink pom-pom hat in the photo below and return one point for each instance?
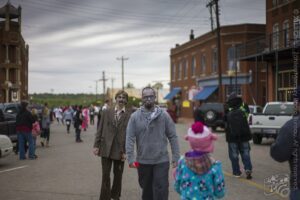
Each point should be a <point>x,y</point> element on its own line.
<point>201,138</point>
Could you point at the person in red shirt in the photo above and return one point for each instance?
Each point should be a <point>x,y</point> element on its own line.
<point>24,121</point>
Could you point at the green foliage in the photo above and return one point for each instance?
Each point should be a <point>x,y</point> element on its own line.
<point>54,100</point>
<point>129,85</point>
<point>65,99</point>
<point>132,101</point>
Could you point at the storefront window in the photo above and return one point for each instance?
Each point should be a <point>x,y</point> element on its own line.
<point>232,88</point>
<point>285,85</point>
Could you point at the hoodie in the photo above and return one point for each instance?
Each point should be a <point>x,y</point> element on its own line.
<point>286,148</point>
<point>151,132</point>
<point>199,176</point>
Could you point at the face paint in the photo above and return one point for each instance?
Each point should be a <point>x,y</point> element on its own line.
<point>121,100</point>
<point>148,98</point>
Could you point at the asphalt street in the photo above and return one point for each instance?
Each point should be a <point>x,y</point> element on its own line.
<point>69,171</point>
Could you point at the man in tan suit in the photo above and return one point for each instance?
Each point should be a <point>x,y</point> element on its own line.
<point>110,145</point>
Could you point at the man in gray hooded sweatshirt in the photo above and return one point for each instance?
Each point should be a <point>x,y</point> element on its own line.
<point>151,128</point>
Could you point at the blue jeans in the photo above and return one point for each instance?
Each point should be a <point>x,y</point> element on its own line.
<point>23,138</point>
<point>234,149</point>
<point>295,194</point>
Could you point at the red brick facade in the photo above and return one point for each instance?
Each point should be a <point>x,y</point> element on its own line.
<point>194,63</point>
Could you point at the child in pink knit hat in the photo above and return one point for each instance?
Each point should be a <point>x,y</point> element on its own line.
<point>198,175</point>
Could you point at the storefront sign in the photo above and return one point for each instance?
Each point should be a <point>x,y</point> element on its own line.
<point>186,104</point>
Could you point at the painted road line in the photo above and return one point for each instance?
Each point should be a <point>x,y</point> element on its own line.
<point>252,183</point>
<point>12,169</point>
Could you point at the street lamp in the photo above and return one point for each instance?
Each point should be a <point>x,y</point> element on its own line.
<point>8,86</point>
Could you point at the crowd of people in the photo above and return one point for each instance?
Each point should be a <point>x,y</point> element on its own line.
<point>149,129</point>
<point>32,124</point>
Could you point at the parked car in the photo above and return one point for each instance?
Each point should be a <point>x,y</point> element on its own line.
<point>6,146</point>
<point>255,109</point>
<point>8,127</point>
<point>11,108</point>
<point>213,114</point>
<point>268,123</point>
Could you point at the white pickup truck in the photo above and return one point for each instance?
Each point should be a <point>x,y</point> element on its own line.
<point>268,123</point>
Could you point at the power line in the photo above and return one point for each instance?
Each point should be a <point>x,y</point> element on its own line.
<point>90,13</point>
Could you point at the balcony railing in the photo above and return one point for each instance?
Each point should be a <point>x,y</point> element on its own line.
<point>276,41</point>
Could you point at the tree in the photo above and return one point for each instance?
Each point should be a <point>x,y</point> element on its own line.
<point>158,86</point>
<point>129,85</point>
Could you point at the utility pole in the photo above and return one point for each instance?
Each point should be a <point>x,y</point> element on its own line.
<point>96,89</point>
<point>211,15</point>
<point>122,61</point>
<point>103,80</point>
<point>112,88</point>
<point>215,4</point>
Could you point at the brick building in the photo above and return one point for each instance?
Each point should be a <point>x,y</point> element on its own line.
<point>194,69</point>
<point>13,56</point>
<point>273,52</point>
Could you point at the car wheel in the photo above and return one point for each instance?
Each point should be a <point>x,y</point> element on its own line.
<point>257,139</point>
<point>210,115</point>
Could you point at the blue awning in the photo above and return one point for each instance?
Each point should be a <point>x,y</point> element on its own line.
<point>206,92</point>
<point>173,93</point>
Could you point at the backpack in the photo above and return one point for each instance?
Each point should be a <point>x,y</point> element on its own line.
<point>238,125</point>
<point>36,129</point>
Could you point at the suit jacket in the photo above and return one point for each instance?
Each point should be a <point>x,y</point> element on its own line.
<point>111,134</point>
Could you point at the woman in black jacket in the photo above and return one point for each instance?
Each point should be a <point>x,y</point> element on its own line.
<point>24,123</point>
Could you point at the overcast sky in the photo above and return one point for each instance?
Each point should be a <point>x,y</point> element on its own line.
<point>72,41</point>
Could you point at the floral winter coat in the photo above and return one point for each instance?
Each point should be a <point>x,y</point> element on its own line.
<point>199,177</point>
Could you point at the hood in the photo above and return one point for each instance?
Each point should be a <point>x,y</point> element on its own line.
<point>232,96</point>
<point>199,162</point>
<point>150,116</point>
<point>234,100</point>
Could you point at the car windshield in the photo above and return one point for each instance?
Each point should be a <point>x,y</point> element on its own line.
<point>277,109</point>
<point>251,109</point>
<point>255,109</point>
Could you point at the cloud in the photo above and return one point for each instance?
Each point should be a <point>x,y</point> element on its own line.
<point>73,41</point>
